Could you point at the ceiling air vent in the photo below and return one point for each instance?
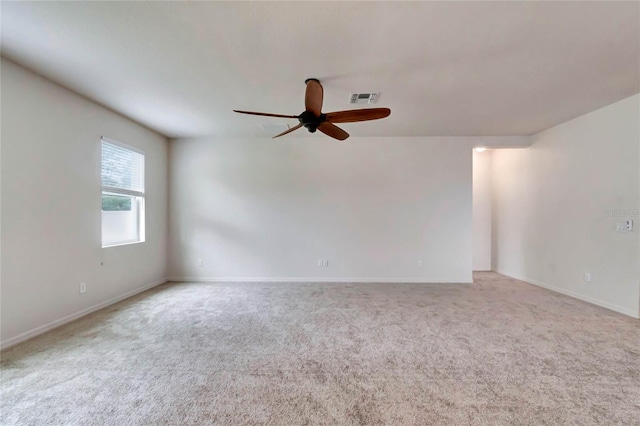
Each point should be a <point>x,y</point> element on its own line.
<point>363,98</point>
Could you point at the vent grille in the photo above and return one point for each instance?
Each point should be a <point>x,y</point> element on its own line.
<point>363,98</point>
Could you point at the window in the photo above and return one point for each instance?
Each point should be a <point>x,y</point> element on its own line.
<point>122,194</point>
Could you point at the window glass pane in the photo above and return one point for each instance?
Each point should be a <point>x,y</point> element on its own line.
<point>121,226</point>
<point>112,203</point>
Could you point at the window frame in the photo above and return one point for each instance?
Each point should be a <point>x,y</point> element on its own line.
<point>138,197</point>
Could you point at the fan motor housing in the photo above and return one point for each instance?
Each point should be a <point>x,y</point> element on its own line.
<point>310,121</point>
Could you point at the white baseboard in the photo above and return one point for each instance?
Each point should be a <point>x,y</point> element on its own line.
<point>67,319</point>
<point>313,280</point>
<point>598,302</point>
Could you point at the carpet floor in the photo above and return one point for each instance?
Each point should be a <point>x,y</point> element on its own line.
<point>496,352</point>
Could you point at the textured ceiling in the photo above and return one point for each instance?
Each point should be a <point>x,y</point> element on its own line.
<point>444,68</point>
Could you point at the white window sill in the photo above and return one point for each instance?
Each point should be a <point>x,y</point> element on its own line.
<point>127,243</point>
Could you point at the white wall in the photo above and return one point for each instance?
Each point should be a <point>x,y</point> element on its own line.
<point>373,207</point>
<point>51,238</point>
<point>550,202</point>
<point>482,211</point>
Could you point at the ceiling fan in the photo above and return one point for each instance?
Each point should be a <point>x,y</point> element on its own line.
<point>313,119</point>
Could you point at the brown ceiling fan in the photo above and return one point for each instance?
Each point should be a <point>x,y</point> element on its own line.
<point>313,119</point>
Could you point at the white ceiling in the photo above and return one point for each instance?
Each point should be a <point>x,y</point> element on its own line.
<point>444,68</point>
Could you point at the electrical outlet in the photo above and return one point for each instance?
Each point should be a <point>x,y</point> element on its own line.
<point>320,263</point>
<point>587,277</point>
<point>83,288</point>
<point>200,262</point>
<point>326,263</point>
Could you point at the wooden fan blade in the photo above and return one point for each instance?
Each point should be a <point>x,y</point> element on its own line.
<point>313,97</point>
<point>333,131</point>
<point>265,114</point>
<point>288,131</point>
<point>353,115</point>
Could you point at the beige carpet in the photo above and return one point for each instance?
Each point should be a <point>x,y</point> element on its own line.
<point>496,352</point>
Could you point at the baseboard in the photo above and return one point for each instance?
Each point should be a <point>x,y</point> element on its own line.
<point>314,280</point>
<point>67,319</point>
<point>594,301</point>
